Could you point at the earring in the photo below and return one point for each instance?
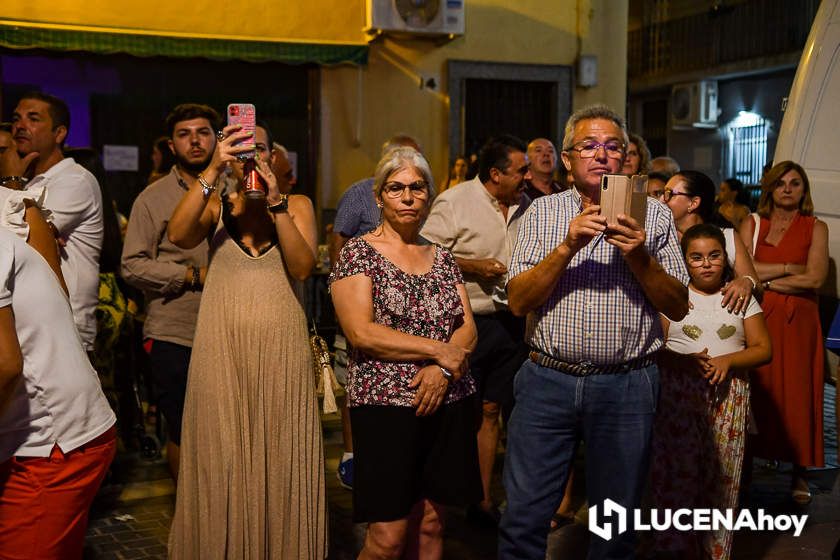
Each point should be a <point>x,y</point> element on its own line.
<point>379,205</point>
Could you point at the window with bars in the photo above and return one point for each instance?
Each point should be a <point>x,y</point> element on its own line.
<point>747,147</point>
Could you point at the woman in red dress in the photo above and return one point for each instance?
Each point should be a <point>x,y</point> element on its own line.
<point>791,257</point>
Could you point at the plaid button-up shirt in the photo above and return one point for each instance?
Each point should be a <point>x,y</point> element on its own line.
<point>597,313</point>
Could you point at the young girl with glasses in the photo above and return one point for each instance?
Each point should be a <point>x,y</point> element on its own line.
<point>698,441</point>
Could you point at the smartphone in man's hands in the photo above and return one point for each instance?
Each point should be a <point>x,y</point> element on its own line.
<point>621,194</point>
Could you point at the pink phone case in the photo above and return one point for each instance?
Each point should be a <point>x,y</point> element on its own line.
<point>245,115</point>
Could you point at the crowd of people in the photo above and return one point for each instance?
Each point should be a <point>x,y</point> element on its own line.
<point>673,351</point>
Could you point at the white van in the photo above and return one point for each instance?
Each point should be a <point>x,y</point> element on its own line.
<point>810,131</point>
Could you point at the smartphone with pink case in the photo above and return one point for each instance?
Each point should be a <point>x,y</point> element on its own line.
<point>245,115</point>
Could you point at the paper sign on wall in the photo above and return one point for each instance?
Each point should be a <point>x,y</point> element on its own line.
<point>120,158</point>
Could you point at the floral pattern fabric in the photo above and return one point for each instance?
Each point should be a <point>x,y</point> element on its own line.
<point>426,305</point>
<point>698,452</point>
<point>700,429</point>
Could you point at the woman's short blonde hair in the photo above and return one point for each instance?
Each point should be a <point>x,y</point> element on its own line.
<point>771,180</point>
<point>395,161</point>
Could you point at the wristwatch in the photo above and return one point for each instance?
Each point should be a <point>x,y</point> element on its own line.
<point>20,180</point>
<point>281,206</point>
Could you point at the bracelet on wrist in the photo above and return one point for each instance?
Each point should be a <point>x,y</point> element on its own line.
<point>446,374</point>
<point>752,280</point>
<point>281,206</point>
<point>206,188</point>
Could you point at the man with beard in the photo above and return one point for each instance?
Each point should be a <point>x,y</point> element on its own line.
<point>542,157</point>
<point>40,124</point>
<point>477,220</point>
<point>171,278</point>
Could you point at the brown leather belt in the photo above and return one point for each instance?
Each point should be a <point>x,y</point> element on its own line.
<point>584,369</point>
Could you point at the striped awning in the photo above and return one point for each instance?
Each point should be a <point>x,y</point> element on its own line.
<point>21,37</point>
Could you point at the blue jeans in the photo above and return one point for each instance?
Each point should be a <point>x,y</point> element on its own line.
<point>553,411</point>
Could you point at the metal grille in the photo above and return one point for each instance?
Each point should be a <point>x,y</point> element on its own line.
<point>747,151</point>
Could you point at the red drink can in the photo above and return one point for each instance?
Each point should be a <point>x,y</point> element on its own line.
<point>255,186</point>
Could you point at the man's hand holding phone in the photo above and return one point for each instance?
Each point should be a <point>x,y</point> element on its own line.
<point>627,234</point>
<point>584,227</point>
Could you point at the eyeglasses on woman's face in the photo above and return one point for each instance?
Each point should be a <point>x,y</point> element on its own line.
<point>395,189</point>
<point>668,194</point>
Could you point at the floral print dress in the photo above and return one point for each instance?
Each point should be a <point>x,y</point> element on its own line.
<point>426,305</point>
<point>700,429</point>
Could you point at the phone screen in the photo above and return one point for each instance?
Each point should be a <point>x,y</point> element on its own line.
<point>245,115</point>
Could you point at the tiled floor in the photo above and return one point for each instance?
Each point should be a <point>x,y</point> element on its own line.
<point>131,516</point>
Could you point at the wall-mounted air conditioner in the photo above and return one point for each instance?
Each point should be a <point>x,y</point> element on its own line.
<point>694,105</point>
<point>415,17</point>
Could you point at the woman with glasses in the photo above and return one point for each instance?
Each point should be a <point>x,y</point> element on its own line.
<point>691,197</point>
<point>790,247</point>
<point>405,311</point>
<point>251,477</point>
<point>701,422</point>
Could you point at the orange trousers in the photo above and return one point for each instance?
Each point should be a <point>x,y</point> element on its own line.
<point>44,501</point>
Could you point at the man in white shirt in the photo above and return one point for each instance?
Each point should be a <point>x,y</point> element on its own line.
<point>478,221</point>
<point>57,436</point>
<point>40,124</point>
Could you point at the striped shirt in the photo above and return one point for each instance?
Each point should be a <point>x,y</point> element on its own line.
<point>597,313</point>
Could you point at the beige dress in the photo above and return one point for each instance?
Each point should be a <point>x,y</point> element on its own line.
<point>251,481</point>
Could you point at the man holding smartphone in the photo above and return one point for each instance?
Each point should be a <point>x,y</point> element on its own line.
<point>593,294</point>
<point>171,278</point>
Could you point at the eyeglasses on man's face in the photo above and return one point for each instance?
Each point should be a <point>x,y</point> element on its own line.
<point>395,189</point>
<point>696,261</point>
<point>589,149</point>
<point>668,194</point>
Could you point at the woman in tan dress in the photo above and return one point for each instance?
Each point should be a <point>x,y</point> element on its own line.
<point>251,483</point>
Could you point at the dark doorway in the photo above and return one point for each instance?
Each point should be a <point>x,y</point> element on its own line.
<point>488,98</point>
<point>494,107</point>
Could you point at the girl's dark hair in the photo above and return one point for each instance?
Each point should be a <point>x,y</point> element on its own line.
<point>707,231</point>
<point>700,185</point>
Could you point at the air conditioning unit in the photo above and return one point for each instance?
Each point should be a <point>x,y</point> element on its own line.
<point>694,105</point>
<point>415,17</point>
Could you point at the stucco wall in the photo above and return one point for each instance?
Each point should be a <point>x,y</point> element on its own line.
<point>363,107</point>
<point>321,21</point>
